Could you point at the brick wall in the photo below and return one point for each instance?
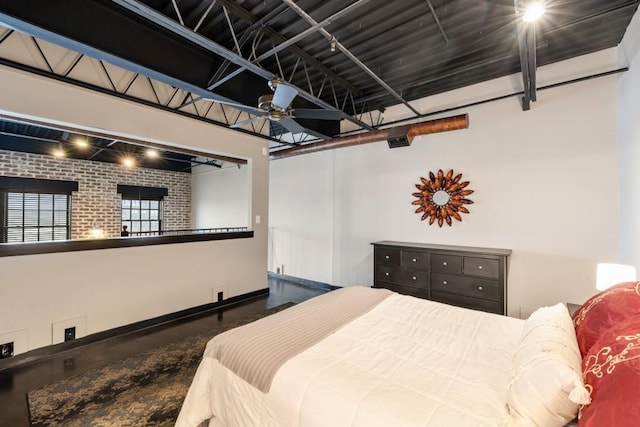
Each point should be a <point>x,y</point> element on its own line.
<point>97,199</point>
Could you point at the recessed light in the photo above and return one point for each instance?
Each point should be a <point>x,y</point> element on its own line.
<point>128,162</point>
<point>58,153</point>
<point>533,12</point>
<point>152,153</point>
<point>81,142</point>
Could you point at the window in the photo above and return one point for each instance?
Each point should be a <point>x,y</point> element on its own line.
<point>142,215</point>
<point>35,210</point>
<point>34,217</point>
<point>142,209</point>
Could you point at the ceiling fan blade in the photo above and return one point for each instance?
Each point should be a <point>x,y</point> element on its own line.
<point>283,96</point>
<point>291,125</point>
<point>310,113</point>
<point>246,122</point>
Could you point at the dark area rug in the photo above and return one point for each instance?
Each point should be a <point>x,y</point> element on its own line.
<point>143,390</point>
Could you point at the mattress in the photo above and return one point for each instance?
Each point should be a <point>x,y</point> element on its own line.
<point>405,362</point>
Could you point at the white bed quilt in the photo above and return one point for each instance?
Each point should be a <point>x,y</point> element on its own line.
<point>407,362</point>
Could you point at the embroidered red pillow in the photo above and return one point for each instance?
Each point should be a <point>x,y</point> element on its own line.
<point>604,310</point>
<point>612,375</point>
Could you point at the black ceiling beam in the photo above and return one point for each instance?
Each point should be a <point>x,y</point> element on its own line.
<point>531,58</point>
<point>524,65</point>
<point>526,35</point>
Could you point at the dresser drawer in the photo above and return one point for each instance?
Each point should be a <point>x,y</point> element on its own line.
<point>414,278</point>
<point>446,263</point>
<point>387,274</point>
<point>386,256</point>
<point>402,276</point>
<point>466,286</point>
<point>467,302</point>
<point>413,259</point>
<point>481,267</point>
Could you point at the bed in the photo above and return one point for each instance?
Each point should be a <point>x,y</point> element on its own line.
<point>370,357</point>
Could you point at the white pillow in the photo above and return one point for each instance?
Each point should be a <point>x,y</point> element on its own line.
<point>546,387</point>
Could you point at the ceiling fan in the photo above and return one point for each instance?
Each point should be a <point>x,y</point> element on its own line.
<point>277,107</point>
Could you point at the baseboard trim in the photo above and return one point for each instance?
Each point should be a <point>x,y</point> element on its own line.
<point>178,316</point>
<point>304,282</point>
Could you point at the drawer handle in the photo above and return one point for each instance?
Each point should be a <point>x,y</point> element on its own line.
<point>386,257</point>
<point>444,282</point>
<point>386,274</point>
<point>414,277</point>
<point>444,263</point>
<point>480,288</point>
<point>479,267</point>
<point>414,260</point>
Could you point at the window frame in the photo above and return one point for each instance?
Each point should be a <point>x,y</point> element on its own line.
<point>129,222</point>
<point>9,184</point>
<point>5,216</point>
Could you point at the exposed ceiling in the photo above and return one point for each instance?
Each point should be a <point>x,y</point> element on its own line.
<point>223,53</point>
<point>38,139</point>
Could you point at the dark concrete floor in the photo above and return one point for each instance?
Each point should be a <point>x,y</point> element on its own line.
<point>17,381</point>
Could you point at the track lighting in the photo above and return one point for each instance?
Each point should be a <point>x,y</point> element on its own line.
<point>333,44</point>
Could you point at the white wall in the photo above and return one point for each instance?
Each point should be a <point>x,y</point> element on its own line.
<point>220,196</point>
<point>545,185</point>
<point>114,287</point>
<point>629,145</point>
<point>301,217</point>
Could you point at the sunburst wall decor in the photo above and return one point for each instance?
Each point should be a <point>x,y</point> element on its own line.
<point>442,197</point>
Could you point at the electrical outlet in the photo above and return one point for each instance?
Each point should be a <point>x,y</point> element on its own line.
<point>70,334</point>
<point>60,330</point>
<point>6,350</point>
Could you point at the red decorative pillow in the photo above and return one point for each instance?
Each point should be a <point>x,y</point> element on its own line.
<point>612,375</point>
<point>604,310</point>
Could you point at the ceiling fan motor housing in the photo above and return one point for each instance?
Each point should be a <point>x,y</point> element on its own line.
<point>264,102</point>
<point>276,115</point>
<point>273,83</point>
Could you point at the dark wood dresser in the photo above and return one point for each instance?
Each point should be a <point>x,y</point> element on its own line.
<point>458,275</point>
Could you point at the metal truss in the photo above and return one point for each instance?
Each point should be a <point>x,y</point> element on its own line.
<point>243,56</point>
<point>250,63</point>
<point>136,87</point>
